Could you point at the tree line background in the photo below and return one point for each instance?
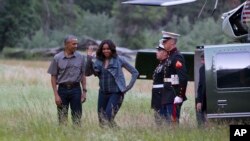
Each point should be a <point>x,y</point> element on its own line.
<point>30,24</point>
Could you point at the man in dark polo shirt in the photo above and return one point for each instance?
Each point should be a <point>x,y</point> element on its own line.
<point>67,70</point>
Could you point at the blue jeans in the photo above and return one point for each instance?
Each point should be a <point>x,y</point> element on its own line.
<point>108,106</point>
<point>72,98</point>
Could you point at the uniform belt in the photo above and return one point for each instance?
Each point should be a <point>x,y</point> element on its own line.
<point>174,79</point>
<point>70,85</point>
<point>167,80</point>
<point>158,86</point>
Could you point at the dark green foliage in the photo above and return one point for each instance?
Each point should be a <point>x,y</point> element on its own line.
<point>195,11</point>
<point>203,32</point>
<point>132,21</point>
<point>17,20</point>
<point>96,6</point>
<point>98,26</point>
<point>39,24</point>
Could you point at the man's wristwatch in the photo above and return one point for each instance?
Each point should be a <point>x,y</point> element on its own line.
<point>85,90</point>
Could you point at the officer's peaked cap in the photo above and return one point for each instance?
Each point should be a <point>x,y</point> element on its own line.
<point>169,35</point>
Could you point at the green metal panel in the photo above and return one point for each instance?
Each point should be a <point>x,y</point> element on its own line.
<point>189,60</point>
<point>226,97</point>
<point>146,62</point>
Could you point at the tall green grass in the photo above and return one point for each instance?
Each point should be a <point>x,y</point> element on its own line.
<point>28,111</point>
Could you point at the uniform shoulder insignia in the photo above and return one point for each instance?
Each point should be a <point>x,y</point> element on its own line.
<point>178,64</point>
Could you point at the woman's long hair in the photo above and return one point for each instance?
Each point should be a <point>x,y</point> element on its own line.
<point>112,47</point>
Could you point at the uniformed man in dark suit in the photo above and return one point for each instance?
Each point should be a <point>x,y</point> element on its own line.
<point>201,105</point>
<point>162,102</point>
<point>175,78</point>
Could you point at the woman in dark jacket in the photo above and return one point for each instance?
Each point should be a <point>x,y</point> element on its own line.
<point>108,68</point>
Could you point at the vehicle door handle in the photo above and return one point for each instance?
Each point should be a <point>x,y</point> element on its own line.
<point>222,102</point>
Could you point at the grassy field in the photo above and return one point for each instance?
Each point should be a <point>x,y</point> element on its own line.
<point>28,111</point>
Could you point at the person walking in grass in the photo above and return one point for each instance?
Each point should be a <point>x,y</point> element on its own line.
<point>108,68</point>
<point>68,81</point>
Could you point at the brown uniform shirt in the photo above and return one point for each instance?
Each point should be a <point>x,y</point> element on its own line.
<point>69,69</point>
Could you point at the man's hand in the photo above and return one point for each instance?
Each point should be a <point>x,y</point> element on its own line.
<point>198,107</point>
<point>178,100</point>
<point>83,97</point>
<point>58,100</point>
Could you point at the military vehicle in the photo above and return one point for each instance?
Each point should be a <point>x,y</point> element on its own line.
<point>227,66</point>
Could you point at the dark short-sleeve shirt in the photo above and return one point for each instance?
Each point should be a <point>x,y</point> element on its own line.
<point>67,69</point>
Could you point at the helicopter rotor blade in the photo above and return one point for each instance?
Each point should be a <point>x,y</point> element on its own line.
<point>157,2</point>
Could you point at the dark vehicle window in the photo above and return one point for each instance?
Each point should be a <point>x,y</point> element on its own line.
<point>233,69</point>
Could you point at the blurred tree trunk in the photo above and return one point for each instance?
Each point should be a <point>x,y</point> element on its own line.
<point>47,18</point>
<point>70,4</point>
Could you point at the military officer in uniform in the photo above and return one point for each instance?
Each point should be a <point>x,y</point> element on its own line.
<point>162,102</point>
<point>175,79</point>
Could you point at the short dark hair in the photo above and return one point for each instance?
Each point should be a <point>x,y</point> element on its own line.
<point>69,37</point>
<point>112,47</point>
